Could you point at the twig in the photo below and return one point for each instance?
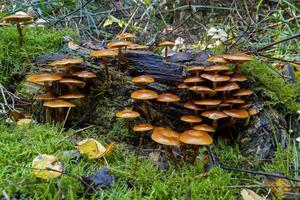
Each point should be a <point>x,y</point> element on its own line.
<point>278,42</point>
<point>260,186</point>
<point>83,129</point>
<point>260,173</point>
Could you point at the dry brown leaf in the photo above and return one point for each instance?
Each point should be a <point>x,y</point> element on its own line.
<point>248,194</point>
<point>43,164</point>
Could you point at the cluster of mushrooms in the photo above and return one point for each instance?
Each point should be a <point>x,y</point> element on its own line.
<point>61,86</point>
<point>218,96</point>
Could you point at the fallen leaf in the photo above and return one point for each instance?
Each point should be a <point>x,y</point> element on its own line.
<point>44,164</point>
<point>24,121</point>
<point>92,148</point>
<point>250,195</point>
<point>102,178</point>
<point>279,186</point>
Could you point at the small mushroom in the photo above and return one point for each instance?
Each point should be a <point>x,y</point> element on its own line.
<point>194,80</point>
<point>119,45</point>
<point>242,92</point>
<point>72,83</point>
<point>71,96</point>
<point>143,80</point>
<point>125,36</point>
<point>196,69</point>
<point>216,68</point>
<point>208,102</point>
<point>191,119</point>
<point>204,127</point>
<point>105,54</point>
<point>182,86</point>
<point>237,78</point>
<point>168,138</point>
<point>197,139</point>
<point>215,115</point>
<point>233,101</point>
<point>202,90</point>
<point>142,128</point>
<point>251,112</point>
<point>18,18</point>
<point>227,87</point>
<point>168,98</point>
<point>84,74</point>
<point>127,115</point>
<point>144,95</point>
<point>46,97</point>
<point>59,104</point>
<point>192,106</point>
<point>217,59</point>
<point>215,78</point>
<point>237,59</point>
<point>236,114</point>
<point>166,44</point>
<point>45,78</point>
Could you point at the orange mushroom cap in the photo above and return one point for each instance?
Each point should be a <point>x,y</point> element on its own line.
<point>64,62</point>
<point>202,89</point>
<point>235,113</point>
<point>208,102</point>
<point>243,92</point>
<point>166,44</point>
<point>252,111</point>
<point>214,114</point>
<point>227,87</point>
<point>45,77</point>
<point>216,59</point>
<point>195,137</point>
<point>204,127</point>
<point>191,106</point>
<point>71,96</point>
<point>144,79</point>
<point>168,97</point>
<point>127,114</point>
<point>142,127</point>
<point>46,96</point>
<point>238,57</point>
<point>165,136</point>
<point>190,118</point>
<point>84,74</point>
<point>123,36</point>
<point>182,86</point>
<point>118,44</point>
<point>104,53</point>
<point>216,68</point>
<point>18,17</point>
<point>59,104</point>
<point>237,78</point>
<point>215,77</point>
<point>233,101</point>
<point>144,94</point>
<point>195,68</point>
<point>194,79</point>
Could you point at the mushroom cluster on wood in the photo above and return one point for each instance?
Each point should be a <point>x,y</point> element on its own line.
<point>220,94</point>
<point>62,86</point>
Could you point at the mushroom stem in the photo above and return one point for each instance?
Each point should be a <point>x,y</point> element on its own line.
<point>215,123</point>
<point>48,115</point>
<point>185,153</point>
<point>106,69</point>
<point>247,121</point>
<point>147,110</point>
<point>195,154</point>
<point>21,39</point>
<point>47,86</point>
<point>119,58</point>
<point>166,52</point>
<point>172,156</point>
<point>139,149</point>
<point>214,85</point>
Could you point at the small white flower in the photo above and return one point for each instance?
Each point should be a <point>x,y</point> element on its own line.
<point>298,112</point>
<point>40,21</point>
<point>210,46</point>
<point>298,139</point>
<point>212,31</point>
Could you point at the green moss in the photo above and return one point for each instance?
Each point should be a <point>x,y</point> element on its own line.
<point>16,60</point>
<point>269,82</point>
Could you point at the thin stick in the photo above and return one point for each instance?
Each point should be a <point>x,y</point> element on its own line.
<point>64,122</point>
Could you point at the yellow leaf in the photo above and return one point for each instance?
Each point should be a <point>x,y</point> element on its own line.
<point>42,163</point>
<point>92,148</point>
<point>279,186</point>
<point>250,195</point>
<point>23,122</point>
<point>109,149</point>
